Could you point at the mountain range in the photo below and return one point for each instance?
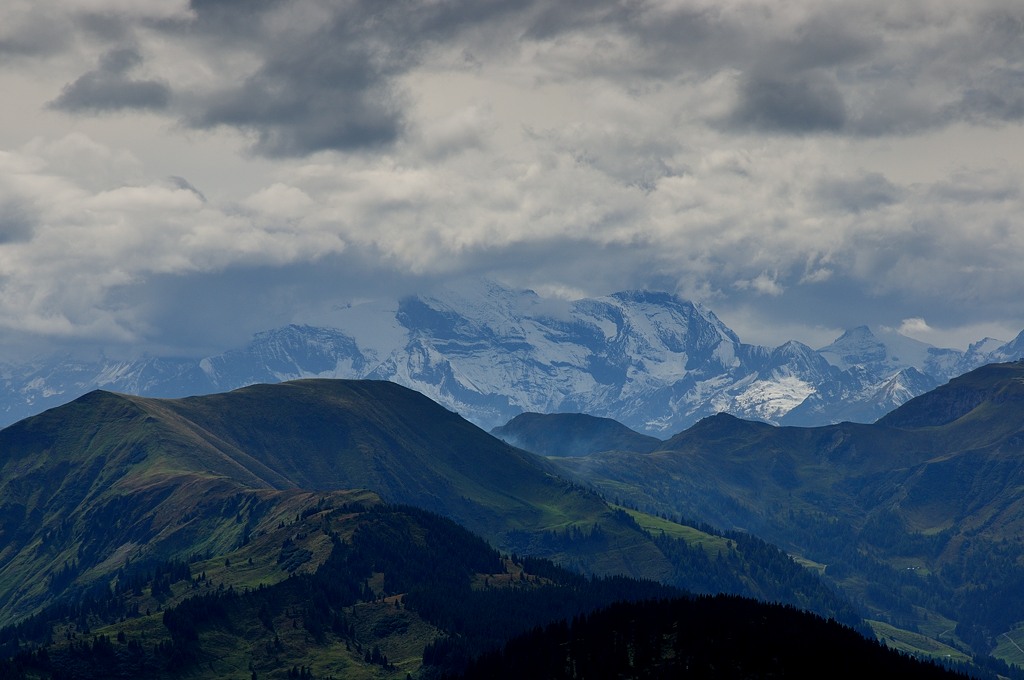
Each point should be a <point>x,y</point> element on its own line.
<point>110,479</point>
<point>918,517</point>
<point>650,360</point>
<point>273,527</point>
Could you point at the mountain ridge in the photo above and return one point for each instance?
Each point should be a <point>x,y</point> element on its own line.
<point>648,359</point>
<point>585,434</point>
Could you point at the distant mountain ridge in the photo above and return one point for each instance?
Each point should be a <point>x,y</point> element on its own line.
<point>650,360</point>
<point>572,434</point>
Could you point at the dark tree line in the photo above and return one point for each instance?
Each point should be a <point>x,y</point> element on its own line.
<point>719,637</point>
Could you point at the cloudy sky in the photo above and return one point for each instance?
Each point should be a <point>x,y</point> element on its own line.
<point>176,175</point>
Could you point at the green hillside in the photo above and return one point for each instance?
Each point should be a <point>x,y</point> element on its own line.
<point>920,517</point>
<point>335,434</point>
<point>199,537</point>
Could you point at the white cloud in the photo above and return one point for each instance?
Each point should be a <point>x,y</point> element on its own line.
<point>762,284</point>
<point>580,149</point>
<point>85,243</point>
<point>914,326</point>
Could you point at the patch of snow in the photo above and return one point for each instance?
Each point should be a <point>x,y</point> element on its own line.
<point>771,399</point>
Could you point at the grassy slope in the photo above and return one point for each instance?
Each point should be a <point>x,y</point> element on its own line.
<point>915,643</point>
<point>709,543</point>
<point>1010,646</point>
<point>82,487</point>
<point>111,479</point>
<point>328,434</point>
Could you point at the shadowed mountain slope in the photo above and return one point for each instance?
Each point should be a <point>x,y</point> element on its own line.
<point>405,593</point>
<point>719,637</point>
<point>572,434</point>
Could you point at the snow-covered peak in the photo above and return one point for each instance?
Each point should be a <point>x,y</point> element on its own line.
<point>985,346</point>
<point>478,298</point>
<point>1011,351</point>
<point>468,308</point>
<point>855,346</point>
<point>796,357</point>
<point>879,349</point>
<point>793,348</point>
<point>904,386</point>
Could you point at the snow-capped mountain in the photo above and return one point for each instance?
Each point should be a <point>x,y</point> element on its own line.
<point>650,360</point>
<point>886,351</point>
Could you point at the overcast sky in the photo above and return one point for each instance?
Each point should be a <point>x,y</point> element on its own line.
<point>175,176</point>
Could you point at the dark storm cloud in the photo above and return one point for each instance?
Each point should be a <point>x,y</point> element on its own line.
<point>560,17</point>
<point>855,71</point>
<point>996,91</point>
<point>111,88</point>
<point>999,97</point>
<point>965,191</point>
<point>792,103</point>
<point>836,69</point>
<point>324,96</point>
<point>860,70</point>
<point>334,88</point>
<point>565,258</point>
<point>714,148</point>
<point>856,195</point>
<point>823,41</point>
<point>34,41</point>
<point>230,10</point>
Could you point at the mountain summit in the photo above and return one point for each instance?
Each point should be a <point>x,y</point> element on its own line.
<point>650,360</point>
